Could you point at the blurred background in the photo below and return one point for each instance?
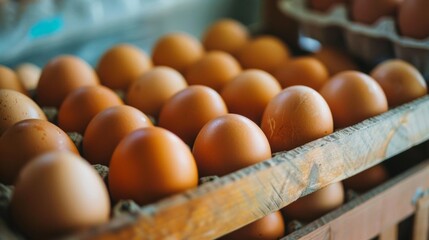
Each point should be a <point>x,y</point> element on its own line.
<point>37,30</point>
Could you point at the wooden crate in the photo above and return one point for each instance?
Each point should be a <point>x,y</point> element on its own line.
<point>230,202</point>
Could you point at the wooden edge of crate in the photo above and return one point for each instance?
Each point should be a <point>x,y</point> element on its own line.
<point>372,213</point>
<point>232,201</point>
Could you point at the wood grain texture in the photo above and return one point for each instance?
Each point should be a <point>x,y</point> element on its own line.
<point>237,199</point>
<point>373,213</point>
<point>421,220</point>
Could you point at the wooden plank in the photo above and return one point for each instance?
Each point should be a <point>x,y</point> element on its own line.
<point>421,220</point>
<point>372,213</point>
<point>391,233</point>
<point>237,199</point>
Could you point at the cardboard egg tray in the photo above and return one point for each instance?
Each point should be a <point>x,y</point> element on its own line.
<point>371,44</point>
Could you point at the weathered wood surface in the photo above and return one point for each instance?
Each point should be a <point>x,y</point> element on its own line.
<point>421,219</point>
<point>374,213</point>
<point>237,199</point>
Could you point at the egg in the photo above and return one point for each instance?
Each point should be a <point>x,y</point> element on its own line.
<point>29,75</point>
<point>9,80</point>
<point>335,60</point>
<point>413,20</point>
<point>121,65</point>
<point>150,164</point>
<point>226,35</point>
<point>316,204</point>
<point>264,52</point>
<point>369,11</point>
<point>58,193</point>
<point>61,76</point>
<point>229,143</point>
<point>400,81</point>
<point>99,144</point>
<point>367,179</point>
<point>26,140</point>
<point>307,71</point>
<point>271,226</point>
<point>353,97</point>
<point>15,106</point>
<point>214,69</point>
<point>83,104</point>
<point>249,93</point>
<point>151,90</point>
<point>189,110</point>
<point>324,5</point>
<point>177,50</point>
<point>295,116</point>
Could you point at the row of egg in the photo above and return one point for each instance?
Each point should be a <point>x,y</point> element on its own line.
<point>411,15</point>
<point>221,143</point>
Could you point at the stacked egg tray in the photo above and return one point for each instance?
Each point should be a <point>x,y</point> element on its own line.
<point>371,44</point>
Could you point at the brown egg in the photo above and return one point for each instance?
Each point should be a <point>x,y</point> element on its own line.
<point>353,97</point>
<point>324,5</point>
<point>400,81</point>
<point>413,19</point>
<point>58,193</point>
<point>367,179</point>
<point>177,50</point>
<point>15,106</point>
<point>189,110</point>
<point>214,69</point>
<point>229,143</point>
<point>107,129</point>
<point>26,140</point>
<point>150,164</point>
<point>150,91</point>
<point>226,35</point>
<point>249,93</point>
<point>264,52</point>
<point>61,76</point>
<point>29,75</point>
<point>316,204</point>
<point>307,71</point>
<point>9,80</point>
<point>297,115</point>
<point>121,65</point>
<point>369,11</point>
<point>83,104</point>
<point>269,227</point>
<point>335,60</point>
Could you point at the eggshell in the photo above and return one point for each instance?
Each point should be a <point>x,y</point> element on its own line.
<point>9,80</point>
<point>226,35</point>
<point>149,164</point>
<point>367,179</point>
<point>58,193</point>
<point>29,75</point>
<point>307,71</point>
<point>83,104</point>
<point>214,69</point>
<point>187,111</point>
<point>369,11</point>
<point>324,5</point>
<point>177,50</point>
<point>249,93</point>
<point>229,143</point>
<point>353,97</point>
<point>400,81</point>
<point>335,60</point>
<point>26,140</point>
<point>316,204</point>
<point>151,90</point>
<point>413,19</point>
<point>269,227</point>
<point>121,65</point>
<point>107,129</point>
<point>61,76</point>
<point>264,52</point>
<point>295,116</point>
<point>15,106</point>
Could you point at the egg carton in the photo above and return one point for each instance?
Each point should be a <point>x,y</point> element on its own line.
<point>370,43</point>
